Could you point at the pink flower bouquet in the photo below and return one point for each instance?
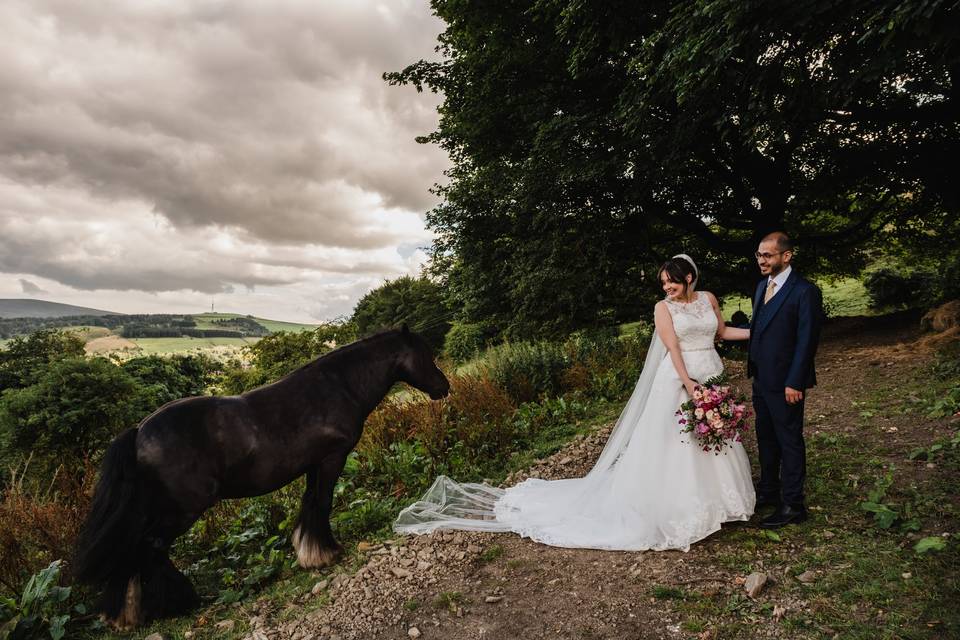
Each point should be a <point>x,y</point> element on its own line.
<point>715,415</point>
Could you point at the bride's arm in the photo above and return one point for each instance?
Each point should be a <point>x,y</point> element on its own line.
<point>723,331</point>
<point>663,322</point>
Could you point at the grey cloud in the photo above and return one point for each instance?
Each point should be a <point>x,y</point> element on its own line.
<point>30,288</point>
<point>40,255</point>
<point>268,118</point>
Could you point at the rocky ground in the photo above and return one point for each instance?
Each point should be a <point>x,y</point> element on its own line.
<point>458,585</point>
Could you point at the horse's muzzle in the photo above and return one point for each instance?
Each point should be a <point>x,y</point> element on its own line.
<point>441,393</point>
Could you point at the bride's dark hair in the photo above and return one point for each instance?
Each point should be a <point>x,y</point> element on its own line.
<point>677,270</point>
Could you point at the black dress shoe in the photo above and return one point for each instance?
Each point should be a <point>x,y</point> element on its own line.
<point>786,514</point>
<point>766,501</point>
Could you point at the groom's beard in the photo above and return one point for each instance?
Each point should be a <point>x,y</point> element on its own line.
<point>773,270</point>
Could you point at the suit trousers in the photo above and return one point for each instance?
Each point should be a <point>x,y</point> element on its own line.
<point>783,453</point>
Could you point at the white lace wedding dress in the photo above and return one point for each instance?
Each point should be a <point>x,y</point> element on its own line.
<point>651,488</point>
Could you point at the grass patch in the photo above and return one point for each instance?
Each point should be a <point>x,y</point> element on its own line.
<point>449,600</point>
<point>491,553</point>
<point>667,593</point>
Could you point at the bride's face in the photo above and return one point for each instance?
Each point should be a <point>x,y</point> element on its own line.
<point>674,290</point>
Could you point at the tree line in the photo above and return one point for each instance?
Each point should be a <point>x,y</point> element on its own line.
<point>154,325</point>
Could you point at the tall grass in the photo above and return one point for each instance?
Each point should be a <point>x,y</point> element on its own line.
<point>527,371</point>
<point>39,520</point>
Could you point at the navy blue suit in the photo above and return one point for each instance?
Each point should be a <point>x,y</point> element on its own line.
<point>784,335</point>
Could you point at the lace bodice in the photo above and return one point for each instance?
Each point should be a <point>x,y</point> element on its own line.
<point>695,323</point>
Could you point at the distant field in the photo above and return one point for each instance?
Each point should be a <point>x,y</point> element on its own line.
<point>206,321</point>
<point>110,343</point>
<point>88,333</point>
<point>216,347</point>
<point>159,346</point>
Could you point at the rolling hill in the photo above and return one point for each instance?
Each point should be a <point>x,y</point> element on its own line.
<point>29,308</point>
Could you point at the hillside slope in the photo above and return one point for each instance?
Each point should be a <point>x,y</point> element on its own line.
<point>29,308</point>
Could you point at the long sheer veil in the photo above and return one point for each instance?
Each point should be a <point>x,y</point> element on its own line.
<point>474,506</point>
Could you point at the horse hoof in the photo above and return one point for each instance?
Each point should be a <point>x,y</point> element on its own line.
<point>117,625</point>
<point>131,615</point>
<point>311,554</point>
<point>318,557</point>
<point>121,624</point>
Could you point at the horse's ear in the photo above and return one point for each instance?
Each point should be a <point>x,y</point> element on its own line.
<point>405,330</point>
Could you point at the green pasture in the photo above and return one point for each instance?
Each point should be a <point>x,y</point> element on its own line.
<point>165,346</point>
<point>206,321</point>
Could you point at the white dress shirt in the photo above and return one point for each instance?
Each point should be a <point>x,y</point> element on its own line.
<point>780,280</point>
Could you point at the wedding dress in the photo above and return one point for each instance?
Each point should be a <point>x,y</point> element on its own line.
<point>651,488</point>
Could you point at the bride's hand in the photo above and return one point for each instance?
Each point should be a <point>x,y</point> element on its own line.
<point>690,386</point>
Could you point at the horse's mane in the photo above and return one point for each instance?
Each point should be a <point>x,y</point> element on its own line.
<point>348,349</point>
<point>338,354</point>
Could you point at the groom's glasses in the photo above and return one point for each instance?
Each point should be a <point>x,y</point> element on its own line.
<point>767,256</point>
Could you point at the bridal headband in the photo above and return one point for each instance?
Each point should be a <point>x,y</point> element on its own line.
<point>696,272</point>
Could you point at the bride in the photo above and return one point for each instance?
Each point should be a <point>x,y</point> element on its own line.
<point>652,487</point>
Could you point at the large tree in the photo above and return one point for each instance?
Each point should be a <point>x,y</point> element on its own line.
<point>590,139</point>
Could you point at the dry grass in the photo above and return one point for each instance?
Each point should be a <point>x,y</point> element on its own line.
<point>477,410</point>
<point>108,344</point>
<point>39,521</point>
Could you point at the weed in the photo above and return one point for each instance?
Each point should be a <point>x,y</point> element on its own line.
<point>449,600</point>
<point>491,553</point>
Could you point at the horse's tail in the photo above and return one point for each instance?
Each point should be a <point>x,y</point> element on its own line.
<point>107,545</point>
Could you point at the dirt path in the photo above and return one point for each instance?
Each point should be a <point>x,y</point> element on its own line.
<point>460,586</point>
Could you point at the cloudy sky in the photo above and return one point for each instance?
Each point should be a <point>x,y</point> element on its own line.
<point>160,156</point>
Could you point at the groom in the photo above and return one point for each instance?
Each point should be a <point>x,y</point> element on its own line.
<point>784,332</point>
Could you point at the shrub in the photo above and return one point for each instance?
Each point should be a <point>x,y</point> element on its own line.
<point>527,370</point>
<point>472,422</point>
<point>72,411</point>
<point>39,521</point>
<point>480,413</point>
<point>162,379</point>
<point>24,359</point>
<point>898,285</point>
<point>603,365</point>
<point>464,341</point>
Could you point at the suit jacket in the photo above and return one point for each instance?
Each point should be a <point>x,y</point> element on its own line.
<point>784,335</point>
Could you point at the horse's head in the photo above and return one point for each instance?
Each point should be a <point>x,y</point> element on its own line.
<point>417,367</point>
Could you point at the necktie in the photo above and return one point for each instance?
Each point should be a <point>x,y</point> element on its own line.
<point>769,294</point>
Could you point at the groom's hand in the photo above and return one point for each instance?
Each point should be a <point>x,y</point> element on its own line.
<point>793,396</point>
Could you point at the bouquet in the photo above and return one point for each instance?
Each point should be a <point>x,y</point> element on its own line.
<point>715,415</point>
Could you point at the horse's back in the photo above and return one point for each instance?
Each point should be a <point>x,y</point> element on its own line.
<point>183,444</point>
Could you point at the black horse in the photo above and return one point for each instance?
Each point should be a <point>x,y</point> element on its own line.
<point>157,479</point>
